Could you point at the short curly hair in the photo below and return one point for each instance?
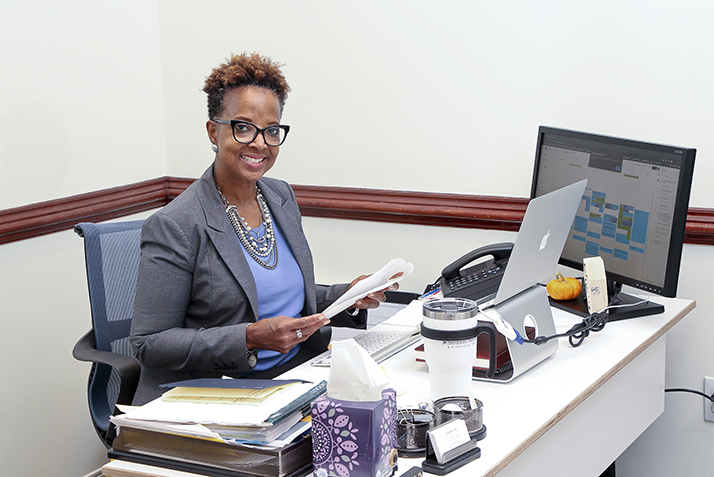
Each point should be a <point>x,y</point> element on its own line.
<point>246,69</point>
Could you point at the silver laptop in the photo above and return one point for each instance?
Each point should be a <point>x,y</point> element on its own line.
<point>540,240</point>
<point>535,255</point>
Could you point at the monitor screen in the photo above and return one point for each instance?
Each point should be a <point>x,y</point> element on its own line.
<point>634,210</point>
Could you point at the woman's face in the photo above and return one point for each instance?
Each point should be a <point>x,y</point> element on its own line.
<point>237,164</point>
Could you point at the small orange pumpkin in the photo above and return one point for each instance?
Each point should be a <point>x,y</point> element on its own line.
<point>564,288</point>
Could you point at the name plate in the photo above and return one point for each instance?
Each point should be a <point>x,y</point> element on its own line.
<point>447,437</point>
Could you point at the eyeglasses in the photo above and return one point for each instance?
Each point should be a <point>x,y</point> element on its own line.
<point>245,132</point>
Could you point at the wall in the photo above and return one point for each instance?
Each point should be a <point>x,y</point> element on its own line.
<point>413,95</point>
<point>46,428</point>
<point>81,98</point>
<point>446,96</point>
<point>80,110</point>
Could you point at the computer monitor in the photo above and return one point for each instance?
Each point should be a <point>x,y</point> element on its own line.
<point>633,212</point>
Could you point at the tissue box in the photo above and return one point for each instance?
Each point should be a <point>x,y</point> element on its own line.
<point>354,439</point>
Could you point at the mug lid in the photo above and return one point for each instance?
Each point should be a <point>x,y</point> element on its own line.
<point>450,309</point>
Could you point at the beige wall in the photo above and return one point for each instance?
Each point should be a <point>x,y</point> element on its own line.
<point>80,97</point>
<point>413,95</point>
<point>81,109</point>
<point>448,96</point>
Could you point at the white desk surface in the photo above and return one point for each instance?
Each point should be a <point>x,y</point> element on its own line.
<point>544,417</point>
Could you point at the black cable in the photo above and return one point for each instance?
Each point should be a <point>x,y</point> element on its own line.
<point>577,334</point>
<point>594,322</point>
<point>432,286</point>
<point>694,391</point>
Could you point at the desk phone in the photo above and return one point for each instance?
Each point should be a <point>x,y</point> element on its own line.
<point>479,282</point>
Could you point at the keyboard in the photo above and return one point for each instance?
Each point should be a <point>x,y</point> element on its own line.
<point>379,344</point>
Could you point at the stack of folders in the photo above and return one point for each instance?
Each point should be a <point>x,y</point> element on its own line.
<point>223,427</point>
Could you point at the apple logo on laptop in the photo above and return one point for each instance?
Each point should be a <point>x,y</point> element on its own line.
<point>544,240</point>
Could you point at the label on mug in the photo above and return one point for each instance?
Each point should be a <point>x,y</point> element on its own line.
<point>459,343</point>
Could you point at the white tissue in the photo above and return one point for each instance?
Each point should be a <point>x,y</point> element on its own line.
<point>354,375</point>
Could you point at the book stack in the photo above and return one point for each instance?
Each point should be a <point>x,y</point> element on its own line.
<point>223,427</point>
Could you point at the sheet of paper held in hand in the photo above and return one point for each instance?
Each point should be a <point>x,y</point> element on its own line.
<point>379,280</point>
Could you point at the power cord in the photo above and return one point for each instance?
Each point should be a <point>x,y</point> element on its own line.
<point>594,322</point>
<point>577,334</point>
<point>693,391</point>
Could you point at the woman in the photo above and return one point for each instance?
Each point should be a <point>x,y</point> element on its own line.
<point>226,283</point>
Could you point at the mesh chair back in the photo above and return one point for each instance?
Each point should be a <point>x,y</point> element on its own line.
<point>112,258</point>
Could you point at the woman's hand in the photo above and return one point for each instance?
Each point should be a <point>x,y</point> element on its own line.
<point>282,333</point>
<point>373,300</point>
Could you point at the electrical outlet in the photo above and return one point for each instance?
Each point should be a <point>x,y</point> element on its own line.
<point>708,405</point>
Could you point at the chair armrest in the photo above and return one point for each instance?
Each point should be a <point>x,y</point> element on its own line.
<point>129,370</point>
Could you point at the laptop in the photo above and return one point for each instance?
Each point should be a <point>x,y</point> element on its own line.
<point>540,241</point>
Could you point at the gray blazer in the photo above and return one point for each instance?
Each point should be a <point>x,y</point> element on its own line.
<point>195,294</point>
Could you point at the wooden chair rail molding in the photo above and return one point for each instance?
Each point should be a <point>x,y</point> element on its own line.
<point>406,207</point>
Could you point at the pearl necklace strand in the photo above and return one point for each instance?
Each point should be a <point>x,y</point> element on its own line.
<point>264,249</point>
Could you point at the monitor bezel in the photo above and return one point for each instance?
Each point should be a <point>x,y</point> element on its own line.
<point>679,222</point>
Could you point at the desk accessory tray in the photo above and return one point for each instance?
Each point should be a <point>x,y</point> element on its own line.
<point>212,458</point>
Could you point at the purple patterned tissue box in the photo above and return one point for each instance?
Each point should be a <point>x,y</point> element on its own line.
<point>354,439</point>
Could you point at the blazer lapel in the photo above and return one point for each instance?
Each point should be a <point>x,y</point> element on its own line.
<point>224,238</point>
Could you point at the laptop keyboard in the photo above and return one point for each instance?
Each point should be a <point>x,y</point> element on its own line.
<point>379,344</point>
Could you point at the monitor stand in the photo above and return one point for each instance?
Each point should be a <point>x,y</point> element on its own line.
<point>579,305</point>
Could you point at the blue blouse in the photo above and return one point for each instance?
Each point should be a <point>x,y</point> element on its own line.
<point>281,292</point>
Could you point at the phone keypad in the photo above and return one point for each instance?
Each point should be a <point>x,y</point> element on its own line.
<point>475,277</point>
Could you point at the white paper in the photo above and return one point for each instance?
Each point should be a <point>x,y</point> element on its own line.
<point>192,430</point>
<point>375,282</point>
<point>411,315</point>
<point>221,414</point>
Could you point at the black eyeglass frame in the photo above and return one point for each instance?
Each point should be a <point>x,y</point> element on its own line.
<point>233,123</point>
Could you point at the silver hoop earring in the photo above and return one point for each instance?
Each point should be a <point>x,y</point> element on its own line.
<point>215,148</point>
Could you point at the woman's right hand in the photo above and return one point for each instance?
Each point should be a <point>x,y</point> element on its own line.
<point>282,333</point>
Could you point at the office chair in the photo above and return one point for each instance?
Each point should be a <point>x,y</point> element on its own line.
<point>112,259</point>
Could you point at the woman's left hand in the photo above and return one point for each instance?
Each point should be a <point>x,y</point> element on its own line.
<point>373,300</point>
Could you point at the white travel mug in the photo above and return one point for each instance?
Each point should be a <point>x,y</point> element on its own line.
<point>450,328</point>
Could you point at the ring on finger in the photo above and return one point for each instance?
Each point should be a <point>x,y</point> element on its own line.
<point>298,332</point>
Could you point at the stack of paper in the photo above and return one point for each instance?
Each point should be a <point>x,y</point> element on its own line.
<point>251,426</point>
<point>266,412</point>
<point>121,468</point>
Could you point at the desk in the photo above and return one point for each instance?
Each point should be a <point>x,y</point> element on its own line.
<point>572,414</point>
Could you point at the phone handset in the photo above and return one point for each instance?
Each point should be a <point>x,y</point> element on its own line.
<point>499,251</point>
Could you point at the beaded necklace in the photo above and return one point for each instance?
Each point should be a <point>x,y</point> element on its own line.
<point>263,250</point>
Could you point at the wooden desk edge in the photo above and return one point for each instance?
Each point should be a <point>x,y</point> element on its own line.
<point>589,391</point>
